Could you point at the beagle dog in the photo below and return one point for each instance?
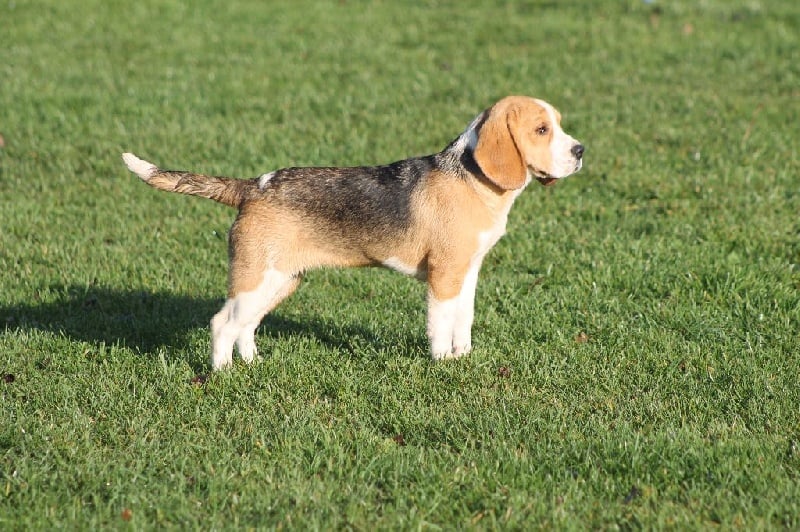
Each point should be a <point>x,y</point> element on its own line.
<point>432,217</point>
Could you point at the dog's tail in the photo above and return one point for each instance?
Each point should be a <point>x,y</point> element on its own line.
<point>225,190</point>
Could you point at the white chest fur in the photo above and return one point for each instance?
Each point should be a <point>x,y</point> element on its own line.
<point>487,239</point>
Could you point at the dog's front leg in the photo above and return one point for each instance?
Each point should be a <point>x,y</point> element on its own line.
<point>465,312</point>
<point>441,324</point>
<point>451,309</point>
<point>449,289</point>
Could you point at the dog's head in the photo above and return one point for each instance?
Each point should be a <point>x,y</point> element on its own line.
<point>521,138</point>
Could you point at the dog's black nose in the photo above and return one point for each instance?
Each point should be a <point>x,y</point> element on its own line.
<point>577,151</point>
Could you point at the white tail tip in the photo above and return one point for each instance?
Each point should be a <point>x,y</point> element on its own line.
<point>139,167</point>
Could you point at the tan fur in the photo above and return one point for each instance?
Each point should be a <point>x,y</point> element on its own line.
<point>508,142</point>
<point>225,190</point>
<point>454,215</point>
<point>448,217</point>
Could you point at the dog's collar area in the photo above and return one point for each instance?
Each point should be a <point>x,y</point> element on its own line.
<point>467,160</point>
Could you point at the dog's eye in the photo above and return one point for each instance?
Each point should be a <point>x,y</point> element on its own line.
<point>542,130</point>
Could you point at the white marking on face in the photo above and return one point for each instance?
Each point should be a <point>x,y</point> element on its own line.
<point>264,179</point>
<point>399,266</point>
<point>564,161</point>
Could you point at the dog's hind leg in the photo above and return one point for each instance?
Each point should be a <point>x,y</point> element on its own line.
<point>245,342</point>
<point>241,314</point>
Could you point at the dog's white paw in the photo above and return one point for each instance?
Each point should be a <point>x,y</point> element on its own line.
<point>450,355</point>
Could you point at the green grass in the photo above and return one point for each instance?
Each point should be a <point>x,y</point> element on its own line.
<point>676,252</point>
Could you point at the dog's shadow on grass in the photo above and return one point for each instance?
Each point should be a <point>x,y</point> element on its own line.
<point>158,322</point>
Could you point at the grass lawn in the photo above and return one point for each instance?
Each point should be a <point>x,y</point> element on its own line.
<point>637,333</point>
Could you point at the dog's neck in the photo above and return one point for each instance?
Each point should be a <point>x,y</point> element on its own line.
<point>459,158</point>
<point>468,140</point>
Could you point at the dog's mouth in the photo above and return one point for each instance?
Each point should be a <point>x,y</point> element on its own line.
<point>546,181</point>
<point>543,177</point>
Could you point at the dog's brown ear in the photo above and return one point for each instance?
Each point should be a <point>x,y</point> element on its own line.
<point>497,153</point>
